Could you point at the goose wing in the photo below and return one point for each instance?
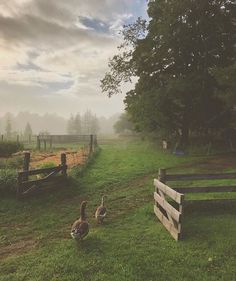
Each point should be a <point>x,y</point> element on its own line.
<point>101,212</point>
<point>79,229</point>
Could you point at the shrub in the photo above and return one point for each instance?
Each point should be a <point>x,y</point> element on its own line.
<point>8,181</point>
<point>9,147</point>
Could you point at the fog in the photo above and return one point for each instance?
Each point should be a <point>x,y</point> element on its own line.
<point>50,123</point>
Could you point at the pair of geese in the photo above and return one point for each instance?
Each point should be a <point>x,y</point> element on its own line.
<point>80,227</point>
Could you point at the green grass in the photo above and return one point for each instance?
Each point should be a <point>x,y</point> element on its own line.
<point>132,245</point>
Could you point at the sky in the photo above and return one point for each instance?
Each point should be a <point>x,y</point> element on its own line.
<point>53,54</point>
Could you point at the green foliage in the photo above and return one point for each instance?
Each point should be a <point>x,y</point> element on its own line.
<point>15,162</point>
<point>8,181</point>
<point>9,147</point>
<point>176,61</point>
<point>124,125</point>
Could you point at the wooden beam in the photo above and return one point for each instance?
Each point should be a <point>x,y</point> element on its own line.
<point>176,196</point>
<point>203,189</point>
<point>45,179</point>
<point>40,171</point>
<point>170,227</point>
<point>189,177</point>
<point>63,165</point>
<point>176,215</point>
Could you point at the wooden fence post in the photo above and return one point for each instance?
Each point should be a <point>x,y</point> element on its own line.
<point>20,178</point>
<point>63,164</point>
<point>95,141</point>
<point>162,175</point>
<point>91,144</point>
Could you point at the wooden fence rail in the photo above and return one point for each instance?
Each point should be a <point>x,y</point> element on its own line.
<point>166,213</point>
<point>169,216</point>
<point>25,186</point>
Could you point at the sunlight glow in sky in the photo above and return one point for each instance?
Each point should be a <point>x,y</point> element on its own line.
<point>53,53</point>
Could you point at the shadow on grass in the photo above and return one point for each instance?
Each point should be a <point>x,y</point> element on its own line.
<point>90,245</point>
<point>209,221</point>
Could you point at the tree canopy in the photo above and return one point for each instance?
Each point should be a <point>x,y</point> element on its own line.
<point>182,58</point>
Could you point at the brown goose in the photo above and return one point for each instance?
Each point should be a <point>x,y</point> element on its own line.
<point>101,211</point>
<point>80,227</point>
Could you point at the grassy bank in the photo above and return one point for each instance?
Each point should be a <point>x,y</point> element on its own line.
<point>35,241</point>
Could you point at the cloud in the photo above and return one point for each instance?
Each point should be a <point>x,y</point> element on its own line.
<point>59,50</point>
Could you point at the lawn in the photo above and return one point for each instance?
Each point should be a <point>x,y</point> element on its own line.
<point>132,245</point>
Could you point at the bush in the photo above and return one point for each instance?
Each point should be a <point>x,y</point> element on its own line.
<point>8,181</point>
<point>9,147</point>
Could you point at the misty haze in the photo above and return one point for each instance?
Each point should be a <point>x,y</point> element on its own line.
<point>117,140</point>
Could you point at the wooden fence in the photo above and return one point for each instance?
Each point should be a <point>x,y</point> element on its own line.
<point>44,141</point>
<point>25,186</point>
<point>170,212</point>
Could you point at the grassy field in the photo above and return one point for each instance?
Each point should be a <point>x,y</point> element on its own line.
<point>132,245</point>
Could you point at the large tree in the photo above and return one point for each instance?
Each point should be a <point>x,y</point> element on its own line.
<point>175,57</point>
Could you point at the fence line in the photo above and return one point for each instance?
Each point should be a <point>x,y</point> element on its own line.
<point>169,216</point>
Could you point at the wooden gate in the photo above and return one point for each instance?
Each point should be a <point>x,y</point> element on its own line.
<point>25,186</point>
<point>169,216</point>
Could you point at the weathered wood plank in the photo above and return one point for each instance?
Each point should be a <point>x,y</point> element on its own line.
<point>176,215</point>
<point>176,177</point>
<point>176,196</point>
<point>170,227</point>
<point>203,189</point>
<point>40,171</point>
<point>45,179</point>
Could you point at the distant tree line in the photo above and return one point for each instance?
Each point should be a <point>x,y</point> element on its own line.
<point>26,124</point>
<point>83,124</point>
<point>184,63</point>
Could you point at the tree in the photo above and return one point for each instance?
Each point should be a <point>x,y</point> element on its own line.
<point>77,124</point>
<point>70,125</point>
<point>28,131</point>
<point>87,122</point>
<point>94,125</point>
<point>74,125</point>
<point>8,128</point>
<point>124,125</point>
<point>173,58</point>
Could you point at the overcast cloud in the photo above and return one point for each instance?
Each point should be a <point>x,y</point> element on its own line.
<point>53,53</point>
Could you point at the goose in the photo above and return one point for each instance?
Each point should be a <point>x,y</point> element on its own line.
<point>80,227</point>
<point>101,211</point>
